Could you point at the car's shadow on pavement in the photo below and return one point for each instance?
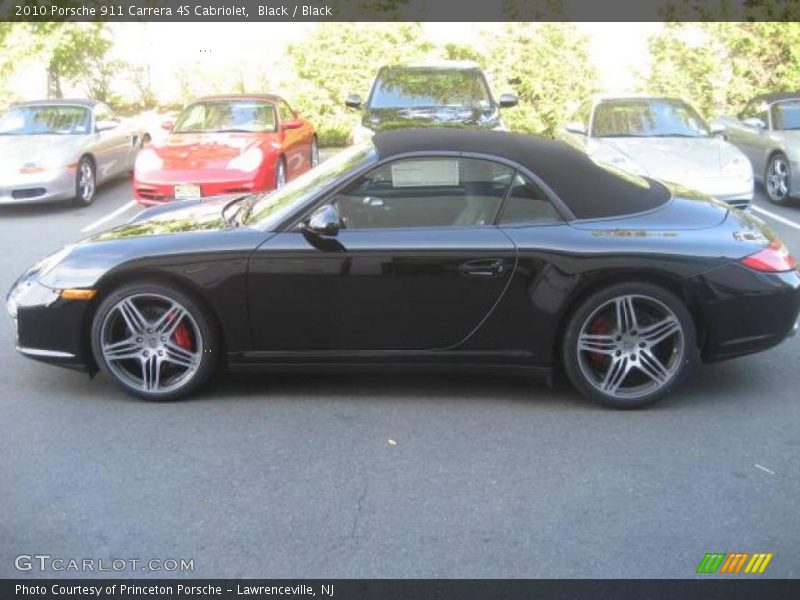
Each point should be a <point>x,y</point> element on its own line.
<point>720,384</point>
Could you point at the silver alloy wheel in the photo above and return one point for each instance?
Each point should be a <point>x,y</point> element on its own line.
<point>630,346</point>
<point>86,180</point>
<point>778,179</point>
<point>314,154</point>
<point>138,342</point>
<point>280,177</point>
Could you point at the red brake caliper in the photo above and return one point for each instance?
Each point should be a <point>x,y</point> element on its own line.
<point>183,336</point>
<point>599,327</point>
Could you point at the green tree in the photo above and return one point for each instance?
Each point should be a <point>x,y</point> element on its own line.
<point>719,66</point>
<point>548,66</point>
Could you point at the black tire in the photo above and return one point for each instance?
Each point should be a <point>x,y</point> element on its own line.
<point>85,190</point>
<point>778,180</point>
<point>590,369</point>
<point>200,325</point>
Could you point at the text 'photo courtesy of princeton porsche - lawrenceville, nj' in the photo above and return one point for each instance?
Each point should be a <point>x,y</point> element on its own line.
<point>400,299</point>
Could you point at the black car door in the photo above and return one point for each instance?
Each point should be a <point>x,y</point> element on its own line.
<point>418,264</point>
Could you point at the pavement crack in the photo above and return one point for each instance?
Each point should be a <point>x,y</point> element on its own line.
<point>359,510</point>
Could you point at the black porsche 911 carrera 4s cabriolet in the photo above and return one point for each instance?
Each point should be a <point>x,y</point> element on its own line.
<point>421,248</point>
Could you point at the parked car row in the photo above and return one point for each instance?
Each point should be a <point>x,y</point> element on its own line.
<point>241,144</point>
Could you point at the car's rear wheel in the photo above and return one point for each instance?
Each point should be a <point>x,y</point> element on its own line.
<point>85,182</point>
<point>777,179</point>
<point>154,341</point>
<point>280,174</point>
<point>629,345</point>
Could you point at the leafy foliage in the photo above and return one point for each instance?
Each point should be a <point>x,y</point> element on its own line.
<point>719,66</point>
<point>549,68</point>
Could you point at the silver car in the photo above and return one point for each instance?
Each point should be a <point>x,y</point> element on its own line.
<point>666,139</point>
<point>62,150</point>
<point>768,132</point>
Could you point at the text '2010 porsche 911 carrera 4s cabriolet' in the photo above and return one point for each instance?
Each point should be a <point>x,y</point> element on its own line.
<point>421,248</point>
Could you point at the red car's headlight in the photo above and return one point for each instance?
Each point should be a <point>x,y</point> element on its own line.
<point>249,161</point>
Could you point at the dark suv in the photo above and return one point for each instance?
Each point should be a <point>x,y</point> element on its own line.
<point>445,94</point>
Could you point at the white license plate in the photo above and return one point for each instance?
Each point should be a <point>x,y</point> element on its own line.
<point>186,191</point>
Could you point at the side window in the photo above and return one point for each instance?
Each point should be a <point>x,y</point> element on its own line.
<point>527,205</point>
<point>755,110</point>
<point>286,113</point>
<point>426,192</point>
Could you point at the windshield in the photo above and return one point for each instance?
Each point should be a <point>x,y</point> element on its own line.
<point>786,115</point>
<point>647,118</point>
<point>46,120</point>
<point>271,209</point>
<point>227,115</point>
<point>428,88</point>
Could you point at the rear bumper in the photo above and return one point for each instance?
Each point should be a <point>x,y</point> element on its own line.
<point>745,311</point>
<point>159,188</point>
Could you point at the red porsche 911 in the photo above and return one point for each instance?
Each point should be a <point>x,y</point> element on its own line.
<point>225,145</point>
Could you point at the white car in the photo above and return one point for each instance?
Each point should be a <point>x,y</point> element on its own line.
<point>62,150</point>
<point>666,139</point>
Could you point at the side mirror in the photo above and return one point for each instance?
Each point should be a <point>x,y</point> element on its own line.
<point>353,101</point>
<point>508,100</point>
<point>755,122</point>
<point>168,125</point>
<point>324,221</point>
<point>292,124</point>
<point>576,127</point>
<point>106,125</point>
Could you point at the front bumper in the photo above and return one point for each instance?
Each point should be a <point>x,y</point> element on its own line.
<point>49,328</point>
<point>48,186</point>
<point>745,311</point>
<point>158,187</point>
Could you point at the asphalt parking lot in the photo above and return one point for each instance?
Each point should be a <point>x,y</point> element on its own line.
<point>390,475</point>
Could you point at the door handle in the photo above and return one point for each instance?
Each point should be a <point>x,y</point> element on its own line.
<point>490,267</point>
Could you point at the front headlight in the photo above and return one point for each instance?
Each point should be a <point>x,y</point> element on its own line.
<point>738,168</point>
<point>147,160</point>
<point>249,161</point>
<point>11,303</point>
<point>362,134</point>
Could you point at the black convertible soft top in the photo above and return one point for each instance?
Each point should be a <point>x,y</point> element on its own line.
<point>589,190</point>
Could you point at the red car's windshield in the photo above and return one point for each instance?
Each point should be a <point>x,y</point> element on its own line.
<point>218,116</point>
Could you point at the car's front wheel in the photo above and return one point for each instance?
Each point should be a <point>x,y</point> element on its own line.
<point>154,341</point>
<point>777,179</point>
<point>629,345</point>
<point>85,182</point>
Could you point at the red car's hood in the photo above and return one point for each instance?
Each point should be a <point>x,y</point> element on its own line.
<point>206,150</point>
